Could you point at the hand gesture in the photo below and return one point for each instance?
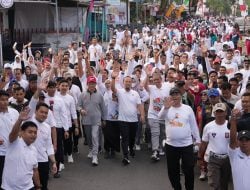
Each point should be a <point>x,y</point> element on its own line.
<point>235,113</point>
<point>79,56</point>
<point>24,114</point>
<point>42,85</point>
<point>54,168</point>
<point>83,112</point>
<point>115,74</point>
<point>76,131</point>
<point>66,134</point>
<point>1,141</point>
<point>29,44</point>
<point>168,102</point>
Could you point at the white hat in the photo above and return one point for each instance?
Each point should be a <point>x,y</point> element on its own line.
<point>7,65</point>
<point>219,106</point>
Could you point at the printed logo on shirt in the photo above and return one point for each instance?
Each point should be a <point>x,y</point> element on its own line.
<point>213,135</point>
<point>226,135</point>
<point>175,123</point>
<point>157,104</point>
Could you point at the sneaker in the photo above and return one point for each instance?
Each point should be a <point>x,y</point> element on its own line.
<point>137,147</point>
<point>161,152</point>
<point>70,159</point>
<point>61,167</point>
<point>155,157</point>
<point>76,150</point>
<point>125,161</point>
<point>203,176</point>
<point>90,155</point>
<point>94,161</point>
<point>57,175</point>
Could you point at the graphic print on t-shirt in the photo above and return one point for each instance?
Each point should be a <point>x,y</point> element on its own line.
<point>157,104</point>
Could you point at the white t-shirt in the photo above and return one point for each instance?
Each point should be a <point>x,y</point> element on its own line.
<point>232,68</point>
<point>19,163</point>
<point>157,96</point>
<point>95,52</point>
<point>128,102</point>
<point>240,164</point>
<point>217,137</point>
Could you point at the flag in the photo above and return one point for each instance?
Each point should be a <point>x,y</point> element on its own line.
<point>186,3</point>
<point>170,9</point>
<point>88,22</point>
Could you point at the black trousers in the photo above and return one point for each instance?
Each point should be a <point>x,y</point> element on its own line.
<point>2,159</point>
<point>76,137</point>
<point>128,133</point>
<point>186,155</point>
<point>43,169</point>
<point>68,143</point>
<point>111,136</point>
<point>59,152</point>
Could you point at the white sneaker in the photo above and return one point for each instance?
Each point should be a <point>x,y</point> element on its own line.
<point>161,152</point>
<point>203,176</point>
<point>70,159</point>
<point>94,161</point>
<point>137,147</point>
<point>90,155</point>
<point>61,167</point>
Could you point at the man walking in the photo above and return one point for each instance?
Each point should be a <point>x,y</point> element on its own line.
<point>129,103</point>
<point>181,133</point>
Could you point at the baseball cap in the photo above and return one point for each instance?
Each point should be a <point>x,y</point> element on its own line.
<point>91,79</point>
<point>212,49</point>
<point>7,66</point>
<point>174,90</point>
<point>244,134</point>
<point>219,106</point>
<point>213,92</point>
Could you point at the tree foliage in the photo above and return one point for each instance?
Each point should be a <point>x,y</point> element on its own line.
<point>220,7</point>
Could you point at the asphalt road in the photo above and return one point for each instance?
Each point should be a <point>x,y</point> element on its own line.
<point>110,174</point>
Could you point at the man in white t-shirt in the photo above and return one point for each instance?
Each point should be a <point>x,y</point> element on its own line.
<point>157,92</point>
<point>129,103</point>
<point>239,154</point>
<point>214,146</point>
<point>95,52</point>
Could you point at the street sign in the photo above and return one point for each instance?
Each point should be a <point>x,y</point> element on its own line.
<point>6,3</point>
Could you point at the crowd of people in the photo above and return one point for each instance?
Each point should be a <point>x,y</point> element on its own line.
<point>182,88</point>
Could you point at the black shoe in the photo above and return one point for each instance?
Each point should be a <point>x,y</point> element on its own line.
<point>75,149</point>
<point>132,153</point>
<point>125,161</point>
<point>57,175</point>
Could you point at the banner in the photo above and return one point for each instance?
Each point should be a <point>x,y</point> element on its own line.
<point>170,9</point>
<point>113,2</point>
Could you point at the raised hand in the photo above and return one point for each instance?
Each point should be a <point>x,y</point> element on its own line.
<point>115,74</point>
<point>168,102</point>
<point>24,114</point>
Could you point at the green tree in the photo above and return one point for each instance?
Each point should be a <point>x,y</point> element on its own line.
<point>220,7</point>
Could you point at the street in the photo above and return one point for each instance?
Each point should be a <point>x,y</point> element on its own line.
<point>110,174</point>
